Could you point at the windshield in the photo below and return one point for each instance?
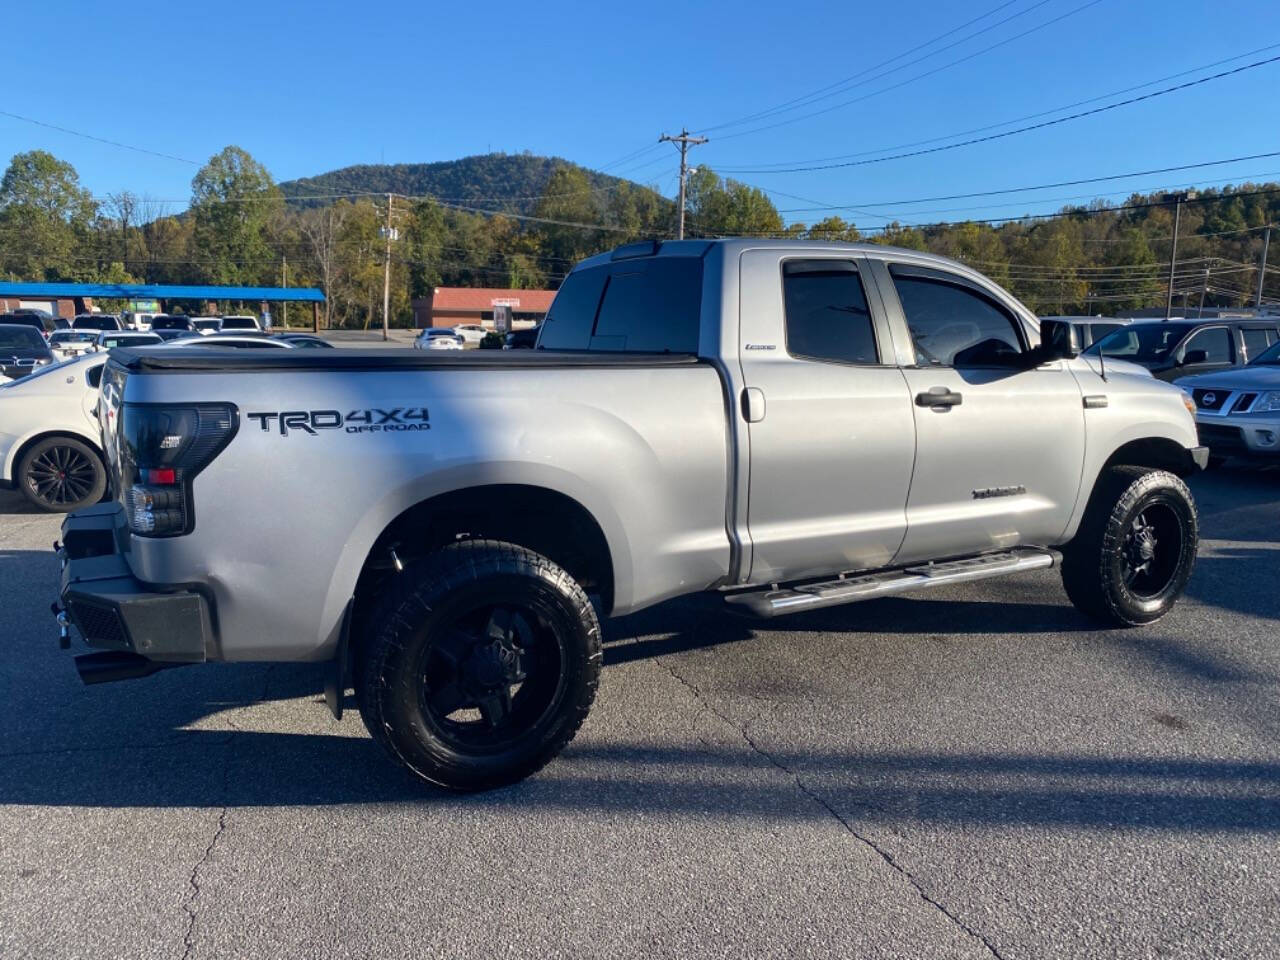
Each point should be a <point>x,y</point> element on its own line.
<point>21,338</point>
<point>238,323</point>
<point>1268,357</point>
<point>95,323</point>
<point>71,336</point>
<point>170,323</point>
<point>1142,342</point>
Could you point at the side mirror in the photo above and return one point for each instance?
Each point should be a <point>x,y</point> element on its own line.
<point>1057,341</point>
<point>1195,356</point>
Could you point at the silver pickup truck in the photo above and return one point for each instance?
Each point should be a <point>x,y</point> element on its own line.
<point>793,425</point>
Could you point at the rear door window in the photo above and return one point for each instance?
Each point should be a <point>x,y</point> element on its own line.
<point>826,312</point>
<point>1255,341</point>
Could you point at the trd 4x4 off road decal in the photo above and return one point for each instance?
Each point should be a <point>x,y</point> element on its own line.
<point>395,420</point>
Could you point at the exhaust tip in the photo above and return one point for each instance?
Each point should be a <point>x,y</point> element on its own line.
<point>111,665</point>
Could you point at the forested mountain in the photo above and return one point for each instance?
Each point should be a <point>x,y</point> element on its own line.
<point>496,181</point>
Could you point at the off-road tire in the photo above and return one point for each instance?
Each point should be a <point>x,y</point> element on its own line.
<point>423,602</point>
<point>1094,563</point>
<point>82,484</point>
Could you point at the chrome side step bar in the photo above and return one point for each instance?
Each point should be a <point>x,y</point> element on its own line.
<point>848,589</point>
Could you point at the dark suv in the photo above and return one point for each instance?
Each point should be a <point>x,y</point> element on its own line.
<point>1179,348</point>
<point>22,349</point>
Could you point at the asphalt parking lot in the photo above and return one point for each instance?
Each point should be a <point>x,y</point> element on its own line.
<point>973,773</point>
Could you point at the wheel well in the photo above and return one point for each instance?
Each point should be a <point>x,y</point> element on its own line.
<point>547,522</point>
<point>49,435</point>
<point>1159,453</point>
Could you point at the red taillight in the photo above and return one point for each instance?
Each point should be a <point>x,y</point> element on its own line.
<point>161,448</point>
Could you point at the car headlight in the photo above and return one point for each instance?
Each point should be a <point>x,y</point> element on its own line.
<point>1189,402</point>
<point>1268,402</point>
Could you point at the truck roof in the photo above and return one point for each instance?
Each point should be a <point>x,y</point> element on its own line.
<point>734,245</point>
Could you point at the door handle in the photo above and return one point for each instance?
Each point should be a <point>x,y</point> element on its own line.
<point>937,397</point>
<point>753,404</point>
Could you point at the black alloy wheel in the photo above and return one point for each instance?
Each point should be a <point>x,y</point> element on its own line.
<point>1136,547</point>
<point>1150,551</point>
<point>477,664</point>
<point>60,475</point>
<point>489,676</point>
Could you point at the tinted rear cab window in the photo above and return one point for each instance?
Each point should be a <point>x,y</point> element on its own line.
<point>643,305</point>
<point>826,312</point>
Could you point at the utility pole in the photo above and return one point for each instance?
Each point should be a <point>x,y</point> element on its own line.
<point>1178,199</point>
<point>685,141</point>
<point>284,282</point>
<point>1204,288</point>
<point>1262,266</point>
<point>386,273</point>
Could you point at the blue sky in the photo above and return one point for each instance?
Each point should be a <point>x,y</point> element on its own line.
<point>311,88</point>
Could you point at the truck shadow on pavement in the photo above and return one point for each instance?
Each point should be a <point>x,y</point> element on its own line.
<point>183,738</point>
<point>263,769</point>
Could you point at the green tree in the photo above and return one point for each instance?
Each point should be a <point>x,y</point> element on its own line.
<point>45,217</point>
<point>834,228</point>
<point>728,208</point>
<point>233,203</point>
<point>569,199</point>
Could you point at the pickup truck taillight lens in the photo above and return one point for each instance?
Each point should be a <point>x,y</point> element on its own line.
<point>162,448</point>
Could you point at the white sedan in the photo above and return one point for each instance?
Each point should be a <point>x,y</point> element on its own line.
<point>438,338</point>
<point>71,343</point>
<point>471,332</point>
<point>49,435</point>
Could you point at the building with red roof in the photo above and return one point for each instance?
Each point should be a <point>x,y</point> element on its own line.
<point>450,306</point>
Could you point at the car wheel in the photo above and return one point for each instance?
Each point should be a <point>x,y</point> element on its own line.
<point>1135,549</point>
<point>479,665</point>
<point>61,474</point>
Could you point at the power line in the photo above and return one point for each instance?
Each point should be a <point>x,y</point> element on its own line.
<point>1041,186</point>
<point>822,92</point>
<point>1030,116</point>
<point>89,136</point>
<point>909,80</point>
<point>1010,133</point>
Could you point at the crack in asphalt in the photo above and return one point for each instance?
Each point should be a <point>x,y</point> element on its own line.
<point>189,938</point>
<point>805,789</point>
<point>193,881</point>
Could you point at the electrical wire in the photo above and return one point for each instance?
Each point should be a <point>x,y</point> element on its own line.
<point>1177,88</point>
<point>89,136</point>
<point>835,88</point>
<point>1041,186</point>
<point>909,80</point>
<point>1022,119</point>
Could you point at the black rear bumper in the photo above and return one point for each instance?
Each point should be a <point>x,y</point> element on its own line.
<point>115,611</point>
